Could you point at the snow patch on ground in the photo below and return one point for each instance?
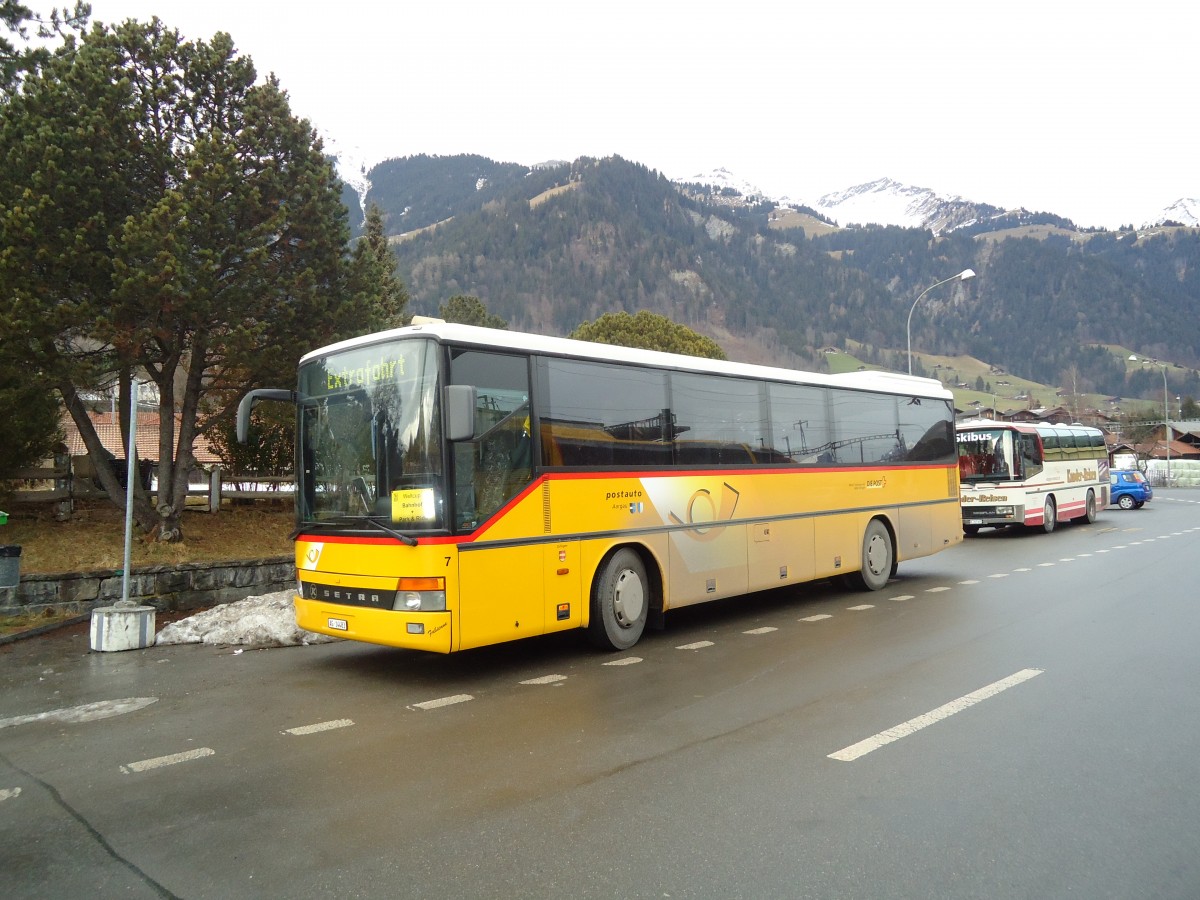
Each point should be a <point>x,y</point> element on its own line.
<point>265,621</point>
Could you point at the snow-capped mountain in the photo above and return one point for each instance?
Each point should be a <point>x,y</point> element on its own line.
<point>724,180</point>
<point>352,167</point>
<point>1185,211</point>
<point>881,202</point>
<point>888,202</point>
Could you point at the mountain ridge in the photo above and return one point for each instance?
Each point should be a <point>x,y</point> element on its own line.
<point>624,237</point>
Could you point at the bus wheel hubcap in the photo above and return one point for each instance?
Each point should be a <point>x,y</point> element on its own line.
<point>628,599</point>
<point>877,554</point>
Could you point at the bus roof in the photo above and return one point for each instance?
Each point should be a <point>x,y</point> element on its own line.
<point>500,339</point>
<point>1028,427</point>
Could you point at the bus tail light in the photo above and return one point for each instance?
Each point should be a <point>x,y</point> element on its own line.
<point>420,595</point>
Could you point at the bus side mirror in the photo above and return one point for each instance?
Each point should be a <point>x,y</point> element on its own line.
<point>247,404</point>
<point>460,412</point>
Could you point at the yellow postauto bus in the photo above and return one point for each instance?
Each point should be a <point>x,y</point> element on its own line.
<point>460,486</point>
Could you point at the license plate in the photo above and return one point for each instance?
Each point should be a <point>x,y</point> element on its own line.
<point>974,521</point>
<point>337,624</point>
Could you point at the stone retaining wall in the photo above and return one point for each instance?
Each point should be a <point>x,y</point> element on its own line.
<point>182,587</point>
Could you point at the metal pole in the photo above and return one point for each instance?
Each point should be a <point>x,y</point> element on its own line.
<point>1167,425</point>
<point>964,275</point>
<point>129,475</point>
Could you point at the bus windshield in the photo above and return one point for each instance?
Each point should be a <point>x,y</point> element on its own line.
<point>370,437</point>
<point>986,455</point>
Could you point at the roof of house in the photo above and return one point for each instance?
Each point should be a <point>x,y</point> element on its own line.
<point>108,429</point>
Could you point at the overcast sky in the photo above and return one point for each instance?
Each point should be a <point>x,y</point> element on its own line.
<point>1085,109</point>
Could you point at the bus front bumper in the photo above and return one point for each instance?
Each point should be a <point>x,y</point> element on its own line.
<point>429,631</point>
<point>993,515</point>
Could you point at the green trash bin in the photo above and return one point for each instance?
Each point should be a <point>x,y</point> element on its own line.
<point>10,565</point>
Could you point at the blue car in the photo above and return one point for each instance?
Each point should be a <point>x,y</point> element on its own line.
<point>1130,489</point>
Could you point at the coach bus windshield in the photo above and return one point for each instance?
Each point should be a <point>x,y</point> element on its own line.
<point>985,455</point>
<point>370,438</point>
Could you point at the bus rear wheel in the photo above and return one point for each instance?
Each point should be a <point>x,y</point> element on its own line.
<point>1049,515</point>
<point>1089,513</point>
<point>878,558</point>
<point>620,601</point>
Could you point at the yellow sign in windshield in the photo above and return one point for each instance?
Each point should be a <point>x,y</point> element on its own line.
<point>413,505</point>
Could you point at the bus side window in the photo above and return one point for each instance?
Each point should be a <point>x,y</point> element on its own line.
<point>1031,457</point>
<point>493,467</point>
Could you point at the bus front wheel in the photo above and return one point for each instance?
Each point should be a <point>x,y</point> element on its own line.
<point>620,601</point>
<point>878,558</point>
<point>1049,515</point>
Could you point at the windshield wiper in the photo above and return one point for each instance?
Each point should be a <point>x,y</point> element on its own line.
<point>343,520</point>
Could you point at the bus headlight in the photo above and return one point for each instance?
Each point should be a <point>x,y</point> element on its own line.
<point>1006,511</point>
<point>420,595</point>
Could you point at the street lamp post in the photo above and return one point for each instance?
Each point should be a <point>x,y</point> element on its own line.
<point>962,276</point>
<point>1166,415</point>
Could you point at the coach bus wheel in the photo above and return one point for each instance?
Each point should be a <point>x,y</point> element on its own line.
<point>1089,514</point>
<point>970,529</point>
<point>1049,515</point>
<point>878,557</point>
<point>620,601</point>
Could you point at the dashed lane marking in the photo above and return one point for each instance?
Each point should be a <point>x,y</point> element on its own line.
<point>970,581</point>
<point>443,701</point>
<point>904,729</point>
<point>819,618</point>
<point>766,629</point>
<point>319,727</point>
<point>698,645</point>
<point>545,679</point>
<point>626,661</point>
<point>937,590</point>
<point>860,607</point>
<point>902,597</point>
<point>999,575</point>
<point>158,762</point>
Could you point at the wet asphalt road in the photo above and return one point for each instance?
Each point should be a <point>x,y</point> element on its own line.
<point>1017,717</point>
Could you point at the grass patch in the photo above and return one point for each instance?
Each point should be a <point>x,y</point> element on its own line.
<point>17,624</point>
<point>94,537</point>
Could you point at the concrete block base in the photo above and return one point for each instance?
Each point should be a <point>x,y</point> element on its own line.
<point>122,628</point>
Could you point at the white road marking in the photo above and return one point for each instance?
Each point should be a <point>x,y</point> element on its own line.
<point>545,679</point>
<point>999,575</point>
<point>9,794</point>
<point>699,645</point>
<point>1025,569</point>
<point>1045,565</point>
<point>904,729</point>
<point>860,607</point>
<point>937,590</point>
<point>626,661</point>
<point>320,726</point>
<point>1067,559</point>
<point>1082,555</point>
<point>443,701</point>
<point>970,581</point>
<point>817,618</point>
<point>766,629</point>
<point>903,597</point>
<point>159,762</point>
<point>89,712</point>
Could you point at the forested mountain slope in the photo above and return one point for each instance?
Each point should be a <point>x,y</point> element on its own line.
<point>551,247</point>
